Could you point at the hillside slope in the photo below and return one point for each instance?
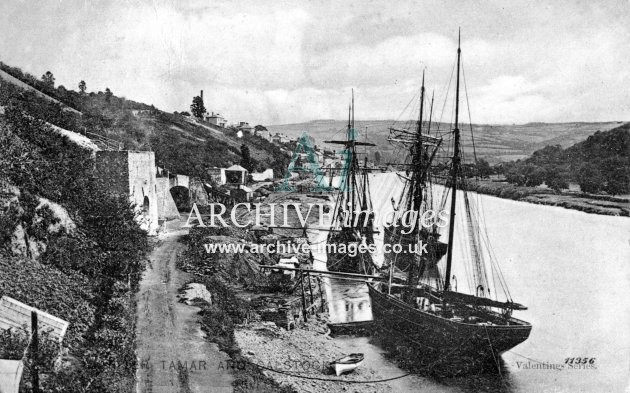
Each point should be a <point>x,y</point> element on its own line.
<point>15,81</point>
<point>182,145</point>
<point>599,163</point>
<point>495,143</point>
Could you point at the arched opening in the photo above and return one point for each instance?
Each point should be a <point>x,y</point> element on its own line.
<point>181,196</point>
<point>145,205</point>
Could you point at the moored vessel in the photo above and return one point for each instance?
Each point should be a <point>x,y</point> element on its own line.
<point>429,323</point>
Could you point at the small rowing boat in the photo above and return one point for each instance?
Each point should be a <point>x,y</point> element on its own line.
<point>347,363</point>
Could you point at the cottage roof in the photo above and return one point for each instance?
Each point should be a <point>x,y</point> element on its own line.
<point>236,168</point>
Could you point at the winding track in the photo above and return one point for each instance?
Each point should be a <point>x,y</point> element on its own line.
<point>173,355</point>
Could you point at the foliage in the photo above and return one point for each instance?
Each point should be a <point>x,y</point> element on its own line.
<point>377,157</point>
<point>481,169</point>
<point>191,158</point>
<point>49,80</point>
<point>600,163</point>
<point>246,158</point>
<point>174,138</point>
<point>197,107</point>
<point>108,94</point>
<point>86,277</point>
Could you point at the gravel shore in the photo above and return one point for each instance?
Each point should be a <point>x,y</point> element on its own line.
<point>304,351</point>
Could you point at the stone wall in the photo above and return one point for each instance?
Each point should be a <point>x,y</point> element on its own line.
<point>198,193</point>
<point>166,205</point>
<point>132,173</point>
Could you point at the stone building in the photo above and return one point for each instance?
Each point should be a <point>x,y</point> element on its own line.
<point>167,210</point>
<point>245,127</point>
<point>216,119</point>
<point>132,173</point>
<point>217,175</point>
<point>236,174</point>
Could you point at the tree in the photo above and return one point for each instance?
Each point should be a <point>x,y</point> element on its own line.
<point>483,169</point>
<point>108,94</point>
<point>377,157</point>
<point>246,158</point>
<point>616,175</point>
<point>259,128</point>
<point>556,180</point>
<point>82,87</point>
<point>197,108</point>
<point>590,179</point>
<point>49,80</point>
<point>536,177</point>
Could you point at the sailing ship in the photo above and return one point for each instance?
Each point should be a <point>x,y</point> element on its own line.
<point>353,217</point>
<point>437,328</point>
<point>415,199</point>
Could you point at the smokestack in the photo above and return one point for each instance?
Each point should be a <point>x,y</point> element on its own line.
<point>202,95</point>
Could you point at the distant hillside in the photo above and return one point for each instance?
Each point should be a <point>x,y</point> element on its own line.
<point>599,163</point>
<point>495,143</point>
<point>181,144</point>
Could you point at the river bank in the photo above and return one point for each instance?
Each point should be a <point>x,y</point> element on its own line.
<point>265,357</point>
<point>271,350</point>
<point>588,203</point>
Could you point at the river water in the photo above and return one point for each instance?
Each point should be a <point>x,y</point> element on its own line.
<point>571,269</point>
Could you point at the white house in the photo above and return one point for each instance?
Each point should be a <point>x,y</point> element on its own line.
<point>216,119</point>
<point>262,176</point>
<point>245,127</point>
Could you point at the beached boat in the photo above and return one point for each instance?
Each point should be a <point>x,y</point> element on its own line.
<point>433,326</point>
<point>347,363</point>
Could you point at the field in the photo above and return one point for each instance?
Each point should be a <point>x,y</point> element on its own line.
<point>495,143</point>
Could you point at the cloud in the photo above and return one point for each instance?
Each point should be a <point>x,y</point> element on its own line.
<point>388,61</point>
<point>283,62</point>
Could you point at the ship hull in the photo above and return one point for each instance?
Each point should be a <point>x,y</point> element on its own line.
<point>345,262</point>
<point>441,346</point>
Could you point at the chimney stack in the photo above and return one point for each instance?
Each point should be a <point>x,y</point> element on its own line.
<point>202,95</point>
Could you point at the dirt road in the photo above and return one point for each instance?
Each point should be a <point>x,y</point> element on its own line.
<point>173,355</point>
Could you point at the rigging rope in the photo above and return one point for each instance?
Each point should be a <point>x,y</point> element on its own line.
<point>472,135</point>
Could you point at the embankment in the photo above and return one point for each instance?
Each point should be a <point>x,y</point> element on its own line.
<point>588,203</point>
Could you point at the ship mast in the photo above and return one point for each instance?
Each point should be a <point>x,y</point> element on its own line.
<point>353,164</point>
<point>416,185</point>
<point>454,174</point>
<point>348,194</point>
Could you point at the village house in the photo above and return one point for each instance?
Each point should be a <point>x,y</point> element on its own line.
<point>280,138</point>
<point>264,134</point>
<point>245,127</point>
<point>216,119</point>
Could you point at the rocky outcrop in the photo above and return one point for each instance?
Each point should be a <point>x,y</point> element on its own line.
<point>27,229</point>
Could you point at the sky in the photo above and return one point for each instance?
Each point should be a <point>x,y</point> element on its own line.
<point>278,62</point>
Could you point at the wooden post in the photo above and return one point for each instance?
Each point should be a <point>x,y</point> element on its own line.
<point>303,297</point>
<point>34,352</point>
<point>321,294</point>
<point>310,288</point>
